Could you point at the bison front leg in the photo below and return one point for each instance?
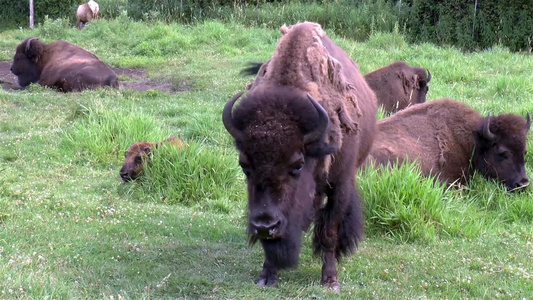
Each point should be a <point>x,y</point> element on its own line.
<point>338,228</point>
<point>282,253</point>
<point>269,275</point>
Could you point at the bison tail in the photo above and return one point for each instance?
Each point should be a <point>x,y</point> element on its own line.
<point>252,69</point>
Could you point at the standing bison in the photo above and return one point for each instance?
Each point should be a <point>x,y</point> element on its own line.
<point>399,85</point>
<point>86,12</point>
<point>60,65</point>
<point>451,140</point>
<point>295,130</point>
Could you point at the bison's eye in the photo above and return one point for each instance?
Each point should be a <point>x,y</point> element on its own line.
<point>296,168</point>
<point>503,155</point>
<point>138,159</point>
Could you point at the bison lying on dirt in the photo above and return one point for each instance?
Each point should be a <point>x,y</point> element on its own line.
<point>86,12</point>
<point>136,154</point>
<point>296,129</point>
<point>451,140</point>
<point>399,85</point>
<point>60,65</point>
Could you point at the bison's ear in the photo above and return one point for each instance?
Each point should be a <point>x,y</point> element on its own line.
<point>145,149</point>
<point>33,49</point>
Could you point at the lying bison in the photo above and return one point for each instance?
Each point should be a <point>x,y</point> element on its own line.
<point>399,85</point>
<point>86,12</point>
<point>60,65</point>
<point>396,86</point>
<point>136,156</point>
<point>295,130</point>
<point>451,140</point>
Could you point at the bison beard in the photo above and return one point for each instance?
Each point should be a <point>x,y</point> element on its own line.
<point>296,150</point>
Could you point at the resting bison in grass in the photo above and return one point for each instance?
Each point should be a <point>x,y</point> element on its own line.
<point>295,129</point>
<point>60,65</point>
<point>136,154</point>
<point>86,12</point>
<point>399,85</point>
<point>451,140</point>
<point>396,86</point>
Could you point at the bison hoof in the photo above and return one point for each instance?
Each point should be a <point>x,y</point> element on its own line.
<point>268,279</point>
<point>332,284</point>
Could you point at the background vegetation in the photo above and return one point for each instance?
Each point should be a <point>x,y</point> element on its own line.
<point>470,25</point>
<point>68,229</point>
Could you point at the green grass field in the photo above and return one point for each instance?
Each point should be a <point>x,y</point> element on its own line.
<point>69,230</point>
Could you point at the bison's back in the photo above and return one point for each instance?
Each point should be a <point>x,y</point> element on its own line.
<point>72,68</point>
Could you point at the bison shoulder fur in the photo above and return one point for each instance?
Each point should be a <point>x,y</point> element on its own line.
<point>450,140</point>
<point>302,129</point>
<point>60,65</point>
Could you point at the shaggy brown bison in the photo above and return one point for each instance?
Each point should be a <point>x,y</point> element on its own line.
<point>136,154</point>
<point>451,140</point>
<point>399,85</point>
<point>60,65</point>
<point>86,12</point>
<point>295,129</point>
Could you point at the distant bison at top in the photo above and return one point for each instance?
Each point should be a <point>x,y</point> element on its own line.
<point>399,85</point>
<point>449,139</point>
<point>60,65</point>
<point>302,130</point>
<point>86,12</point>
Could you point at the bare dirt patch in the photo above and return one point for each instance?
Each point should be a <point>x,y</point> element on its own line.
<point>130,79</point>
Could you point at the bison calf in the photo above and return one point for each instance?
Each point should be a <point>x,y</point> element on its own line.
<point>60,65</point>
<point>449,139</point>
<point>136,154</point>
<point>399,85</point>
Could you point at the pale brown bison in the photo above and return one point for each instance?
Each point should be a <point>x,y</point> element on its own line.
<point>60,65</point>
<point>295,130</point>
<point>449,139</point>
<point>399,85</point>
<point>136,156</point>
<point>86,12</point>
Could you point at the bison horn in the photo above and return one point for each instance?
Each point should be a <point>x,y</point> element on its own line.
<point>486,130</point>
<point>28,44</point>
<point>227,118</point>
<point>323,122</point>
<point>528,121</point>
<point>429,75</point>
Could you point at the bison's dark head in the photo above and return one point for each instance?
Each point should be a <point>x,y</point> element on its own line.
<point>280,135</point>
<point>421,87</point>
<point>24,66</point>
<point>500,148</point>
<point>133,166</point>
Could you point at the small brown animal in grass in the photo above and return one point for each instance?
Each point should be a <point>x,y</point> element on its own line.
<point>136,154</point>
<point>449,139</point>
<point>399,85</point>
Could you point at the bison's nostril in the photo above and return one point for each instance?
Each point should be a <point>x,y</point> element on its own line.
<point>266,229</point>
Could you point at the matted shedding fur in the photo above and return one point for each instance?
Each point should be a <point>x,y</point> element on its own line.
<point>317,73</point>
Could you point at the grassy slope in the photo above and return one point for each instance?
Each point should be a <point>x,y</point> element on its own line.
<point>69,230</point>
